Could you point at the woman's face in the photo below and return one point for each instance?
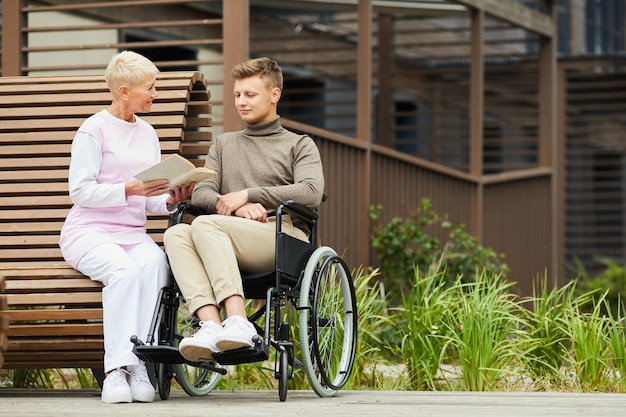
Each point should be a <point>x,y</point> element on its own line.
<point>140,98</point>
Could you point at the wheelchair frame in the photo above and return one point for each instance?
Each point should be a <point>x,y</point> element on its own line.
<point>321,293</point>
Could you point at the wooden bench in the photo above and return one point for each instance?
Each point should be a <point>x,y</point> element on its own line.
<point>51,315</point>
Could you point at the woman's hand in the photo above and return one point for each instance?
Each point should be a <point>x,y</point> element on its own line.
<point>146,189</point>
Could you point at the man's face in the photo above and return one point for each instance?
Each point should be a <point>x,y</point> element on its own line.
<point>255,100</point>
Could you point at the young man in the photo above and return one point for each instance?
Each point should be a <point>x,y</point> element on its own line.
<point>257,169</point>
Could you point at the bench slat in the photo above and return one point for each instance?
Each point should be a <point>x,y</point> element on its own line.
<point>38,241</point>
<point>54,298</point>
<point>83,111</point>
<point>40,285</point>
<point>35,201</point>
<point>60,343</point>
<point>51,251</point>
<point>47,227</point>
<point>70,359</point>
<point>62,149</point>
<point>31,125</point>
<point>165,133</point>
<point>58,314</point>
<point>55,330</point>
<point>69,98</point>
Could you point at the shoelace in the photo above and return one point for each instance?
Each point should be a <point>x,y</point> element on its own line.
<point>118,377</point>
<point>237,322</point>
<point>140,374</point>
<point>210,327</point>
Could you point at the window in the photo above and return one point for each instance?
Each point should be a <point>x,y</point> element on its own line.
<point>605,26</point>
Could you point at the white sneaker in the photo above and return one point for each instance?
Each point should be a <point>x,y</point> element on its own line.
<point>115,388</point>
<point>238,332</point>
<point>141,388</point>
<point>201,345</point>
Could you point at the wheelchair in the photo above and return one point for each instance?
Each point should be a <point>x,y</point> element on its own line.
<point>312,283</point>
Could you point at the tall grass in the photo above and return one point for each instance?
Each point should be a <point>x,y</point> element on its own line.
<point>616,334</point>
<point>372,322</point>
<point>424,339</point>
<point>590,350</point>
<point>483,331</point>
<point>480,336</point>
<point>457,336</point>
<point>547,339</point>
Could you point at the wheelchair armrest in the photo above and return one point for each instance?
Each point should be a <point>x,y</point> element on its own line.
<point>185,208</point>
<point>291,207</point>
<point>296,209</point>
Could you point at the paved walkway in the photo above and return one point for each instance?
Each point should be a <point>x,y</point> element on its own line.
<point>52,403</point>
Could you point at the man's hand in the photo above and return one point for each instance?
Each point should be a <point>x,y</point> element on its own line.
<point>253,211</point>
<point>229,203</point>
<point>180,193</point>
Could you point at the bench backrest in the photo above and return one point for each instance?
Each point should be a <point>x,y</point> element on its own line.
<point>38,119</point>
<point>51,314</point>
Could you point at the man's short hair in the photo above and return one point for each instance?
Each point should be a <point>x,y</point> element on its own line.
<point>267,69</point>
<point>128,68</point>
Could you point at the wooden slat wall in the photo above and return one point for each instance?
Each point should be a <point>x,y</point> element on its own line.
<point>595,225</point>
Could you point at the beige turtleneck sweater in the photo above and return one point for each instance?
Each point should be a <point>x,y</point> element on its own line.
<point>271,162</point>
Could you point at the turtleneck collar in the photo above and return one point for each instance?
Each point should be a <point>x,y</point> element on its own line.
<point>269,128</point>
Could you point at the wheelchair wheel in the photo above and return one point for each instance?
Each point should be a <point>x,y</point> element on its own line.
<point>164,379</point>
<point>327,322</point>
<point>283,375</point>
<point>195,381</point>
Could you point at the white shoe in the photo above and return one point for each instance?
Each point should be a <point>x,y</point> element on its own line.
<point>238,332</point>
<point>141,387</point>
<point>201,345</point>
<point>115,388</point>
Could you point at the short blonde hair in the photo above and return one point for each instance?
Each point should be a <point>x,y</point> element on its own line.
<point>128,68</point>
<point>267,69</point>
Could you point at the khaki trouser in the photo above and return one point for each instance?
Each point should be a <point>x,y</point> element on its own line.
<point>207,255</point>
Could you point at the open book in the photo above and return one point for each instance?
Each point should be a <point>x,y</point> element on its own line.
<point>177,170</point>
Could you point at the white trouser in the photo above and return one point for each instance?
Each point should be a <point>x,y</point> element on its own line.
<point>132,277</point>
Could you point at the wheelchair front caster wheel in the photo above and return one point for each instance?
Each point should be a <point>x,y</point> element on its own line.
<point>164,379</point>
<point>283,375</point>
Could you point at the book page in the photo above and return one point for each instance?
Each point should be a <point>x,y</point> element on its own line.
<point>177,170</point>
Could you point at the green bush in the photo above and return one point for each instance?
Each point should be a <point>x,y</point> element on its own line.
<point>612,280</point>
<point>404,245</point>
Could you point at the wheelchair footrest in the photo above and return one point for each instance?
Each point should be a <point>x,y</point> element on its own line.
<point>159,354</point>
<point>256,353</point>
